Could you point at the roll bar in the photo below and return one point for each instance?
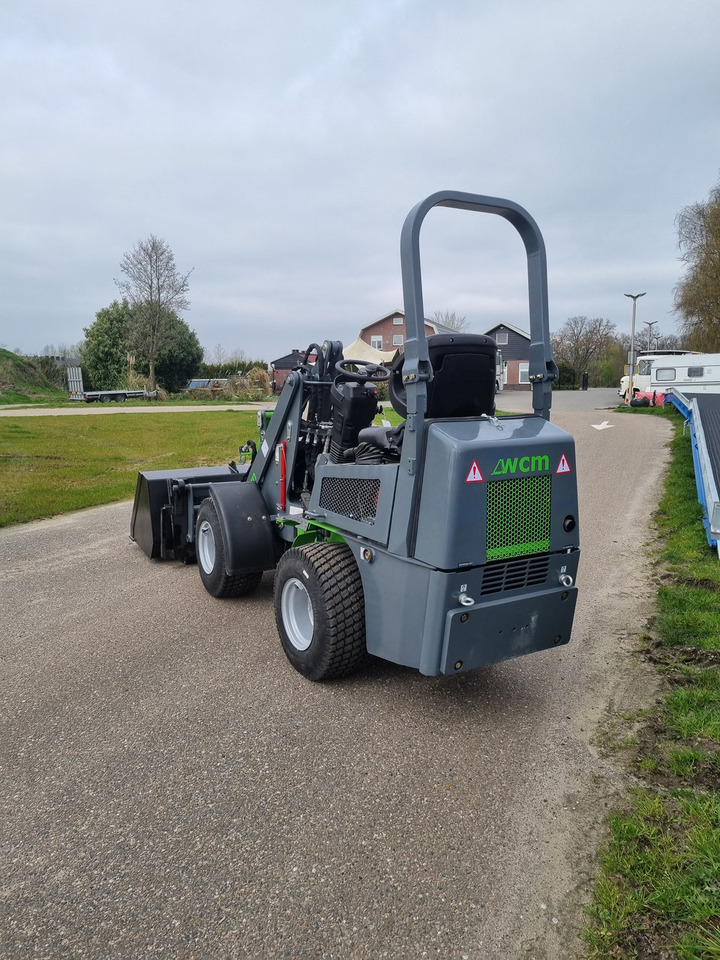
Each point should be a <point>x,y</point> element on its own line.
<point>416,369</point>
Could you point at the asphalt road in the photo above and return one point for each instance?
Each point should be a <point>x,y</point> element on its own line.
<point>100,409</point>
<point>170,787</point>
<point>509,400</point>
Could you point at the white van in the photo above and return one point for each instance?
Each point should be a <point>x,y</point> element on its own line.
<point>643,371</point>
<point>694,373</point>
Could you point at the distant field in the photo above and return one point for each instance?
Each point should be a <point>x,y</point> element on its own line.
<point>49,465</point>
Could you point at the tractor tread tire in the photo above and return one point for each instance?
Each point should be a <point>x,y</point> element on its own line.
<point>218,582</point>
<point>242,584</point>
<point>338,646</point>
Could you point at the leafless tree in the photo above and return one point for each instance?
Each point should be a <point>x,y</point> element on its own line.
<point>668,341</point>
<point>64,350</point>
<point>580,341</point>
<point>156,291</point>
<point>218,355</point>
<point>449,318</point>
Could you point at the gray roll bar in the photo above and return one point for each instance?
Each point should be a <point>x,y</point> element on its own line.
<point>416,369</point>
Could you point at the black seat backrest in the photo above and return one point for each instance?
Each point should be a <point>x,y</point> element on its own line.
<point>463,383</point>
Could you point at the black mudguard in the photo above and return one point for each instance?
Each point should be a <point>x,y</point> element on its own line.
<point>249,535</point>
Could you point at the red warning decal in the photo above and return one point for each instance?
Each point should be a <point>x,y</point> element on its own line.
<point>563,466</point>
<point>474,476</point>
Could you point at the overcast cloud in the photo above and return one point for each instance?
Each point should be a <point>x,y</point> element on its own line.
<point>277,147</point>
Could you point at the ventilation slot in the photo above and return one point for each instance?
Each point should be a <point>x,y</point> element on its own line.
<point>519,515</point>
<point>515,574</point>
<point>352,497</point>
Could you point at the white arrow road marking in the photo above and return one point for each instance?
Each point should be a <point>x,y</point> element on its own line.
<point>602,426</point>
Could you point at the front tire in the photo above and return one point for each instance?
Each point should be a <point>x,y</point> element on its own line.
<point>320,610</point>
<point>210,548</point>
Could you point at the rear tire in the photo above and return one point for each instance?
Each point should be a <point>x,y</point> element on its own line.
<point>320,610</point>
<point>210,548</point>
<point>104,398</point>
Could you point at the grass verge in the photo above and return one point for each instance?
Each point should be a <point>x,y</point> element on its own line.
<point>22,381</point>
<point>658,894</point>
<point>50,465</point>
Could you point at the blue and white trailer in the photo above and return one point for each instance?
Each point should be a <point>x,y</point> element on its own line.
<point>692,384</point>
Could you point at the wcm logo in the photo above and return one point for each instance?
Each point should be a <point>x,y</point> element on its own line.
<point>538,464</point>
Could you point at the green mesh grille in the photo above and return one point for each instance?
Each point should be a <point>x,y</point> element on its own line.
<point>518,516</point>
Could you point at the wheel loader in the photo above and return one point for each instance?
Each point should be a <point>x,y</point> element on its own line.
<point>445,543</point>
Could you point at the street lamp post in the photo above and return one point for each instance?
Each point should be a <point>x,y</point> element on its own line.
<point>634,297</point>
<point>649,324</point>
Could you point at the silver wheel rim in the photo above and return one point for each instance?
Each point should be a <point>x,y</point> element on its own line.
<point>297,614</point>
<point>206,546</point>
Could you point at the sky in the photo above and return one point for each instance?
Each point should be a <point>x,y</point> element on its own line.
<point>277,148</point>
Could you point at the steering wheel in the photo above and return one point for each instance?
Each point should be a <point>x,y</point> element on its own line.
<point>368,372</point>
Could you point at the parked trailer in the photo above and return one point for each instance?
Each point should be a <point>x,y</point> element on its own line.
<point>118,396</point>
<point>77,392</point>
<point>692,384</point>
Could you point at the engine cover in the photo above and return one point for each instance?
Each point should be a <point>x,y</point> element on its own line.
<point>495,490</point>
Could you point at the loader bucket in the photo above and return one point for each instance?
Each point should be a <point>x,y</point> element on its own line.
<point>165,500</point>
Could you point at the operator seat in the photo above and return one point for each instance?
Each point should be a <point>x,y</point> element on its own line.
<point>463,383</point>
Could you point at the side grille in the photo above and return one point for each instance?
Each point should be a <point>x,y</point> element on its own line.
<point>352,497</point>
<point>515,574</point>
<point>519,514</point>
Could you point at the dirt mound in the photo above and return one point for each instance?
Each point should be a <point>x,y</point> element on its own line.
<point>29,379</point>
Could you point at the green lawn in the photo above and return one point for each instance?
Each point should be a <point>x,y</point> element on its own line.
<point>658,894</point>
<point>49,465</point>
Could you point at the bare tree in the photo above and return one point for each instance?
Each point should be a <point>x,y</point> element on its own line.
<point>580,341</point>
<point>63,350</point>
<point>156,291</point>
<point>668,341</point>
<point>217,356</point>
<point>448,318</point>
